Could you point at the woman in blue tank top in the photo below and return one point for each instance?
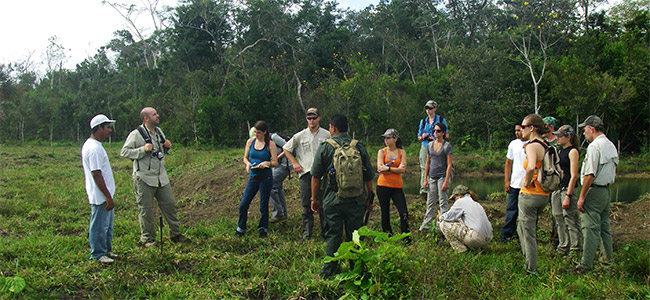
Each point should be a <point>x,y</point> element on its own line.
<point>260,155</point>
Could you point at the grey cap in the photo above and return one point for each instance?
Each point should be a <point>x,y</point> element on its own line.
<point>564,130</point>
<point>390,133</point>
<point>459,190</point>
<point>313,111</point>
<point>431,103</point>
<point>593,121</point>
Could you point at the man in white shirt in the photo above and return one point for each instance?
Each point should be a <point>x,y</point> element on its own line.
<point>514,173</point>
<point>305,143</point>
<point>100,187</point>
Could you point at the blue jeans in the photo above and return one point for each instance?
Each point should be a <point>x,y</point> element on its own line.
<point>512,211</point>
<point>263,183</point>
<point>100,232</point>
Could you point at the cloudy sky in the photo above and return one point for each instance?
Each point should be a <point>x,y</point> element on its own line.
<point>81,26</point>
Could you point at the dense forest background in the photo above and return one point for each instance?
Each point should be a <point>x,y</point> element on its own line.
<point>212,68</point>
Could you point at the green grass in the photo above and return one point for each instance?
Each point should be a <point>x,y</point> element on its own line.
<point>43,239</point>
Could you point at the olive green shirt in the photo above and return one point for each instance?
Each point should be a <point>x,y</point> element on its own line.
<point>146,167</point>
<point>324,162</point>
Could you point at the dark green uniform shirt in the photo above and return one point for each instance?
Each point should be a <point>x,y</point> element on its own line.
<point>324,162</point>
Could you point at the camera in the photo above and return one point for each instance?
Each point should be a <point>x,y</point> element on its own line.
<point>158,154</point>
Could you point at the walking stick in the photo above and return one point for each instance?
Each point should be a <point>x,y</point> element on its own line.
<point>161,235</point>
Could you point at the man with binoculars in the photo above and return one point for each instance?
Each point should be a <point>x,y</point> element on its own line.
<point>146,146</point>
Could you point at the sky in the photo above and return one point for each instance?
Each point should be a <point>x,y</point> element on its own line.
<point>81,27</point>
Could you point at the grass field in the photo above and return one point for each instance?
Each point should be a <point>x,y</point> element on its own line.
<point>43,238</point>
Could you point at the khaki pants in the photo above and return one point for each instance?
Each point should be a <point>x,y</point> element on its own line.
<point>530,207</point>
<point>144,195</point>
<point>568,223</point>
<point>460,236</point>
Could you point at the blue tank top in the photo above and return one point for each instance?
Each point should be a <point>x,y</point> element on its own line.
<point>258,156</point>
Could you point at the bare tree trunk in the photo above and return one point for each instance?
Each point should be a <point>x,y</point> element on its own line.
<point>299,90</point>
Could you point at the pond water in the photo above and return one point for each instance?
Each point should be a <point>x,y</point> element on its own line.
<point>623,190</point>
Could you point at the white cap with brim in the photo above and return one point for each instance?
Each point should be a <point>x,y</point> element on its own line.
<point>99,119</point>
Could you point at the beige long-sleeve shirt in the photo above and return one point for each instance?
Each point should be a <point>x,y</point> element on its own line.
<point>146,167</point>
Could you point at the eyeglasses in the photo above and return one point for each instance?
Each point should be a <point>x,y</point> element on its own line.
<point>312,118</point>
<point>426,107</point>
<point>437,130</point>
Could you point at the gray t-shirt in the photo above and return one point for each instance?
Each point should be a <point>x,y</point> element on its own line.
<point>438,160</point>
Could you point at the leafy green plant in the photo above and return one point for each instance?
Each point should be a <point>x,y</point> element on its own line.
<point>377,270</point>
<point>12,285</point>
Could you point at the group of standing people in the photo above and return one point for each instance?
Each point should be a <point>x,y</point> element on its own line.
<point>581,222</point>
<point>314,153</point>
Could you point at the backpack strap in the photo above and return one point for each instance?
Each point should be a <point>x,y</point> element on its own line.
<point>333,143</point>
<point>541,143</point>
<point>353,143</point>
<point>145,135</point>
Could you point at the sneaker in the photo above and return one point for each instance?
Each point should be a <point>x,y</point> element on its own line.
<point>238,234</point>
<point>263,234</point>
<point>180,239</point>
<point>105,260</point>
<point>112,255</point>
<point>148,244</point>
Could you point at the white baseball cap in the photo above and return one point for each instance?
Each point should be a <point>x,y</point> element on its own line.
<point>99,119</point>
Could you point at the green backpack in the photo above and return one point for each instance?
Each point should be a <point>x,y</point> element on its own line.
<point>348,168</point>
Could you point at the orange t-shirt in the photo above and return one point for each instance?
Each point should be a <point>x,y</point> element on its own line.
<point>535,188</point>
<point>393,180</point>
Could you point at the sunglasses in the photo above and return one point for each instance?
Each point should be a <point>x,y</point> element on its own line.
<point>426,107</point>
<point>312,118</point>
<point>526,126</point>
<point>437,130</point>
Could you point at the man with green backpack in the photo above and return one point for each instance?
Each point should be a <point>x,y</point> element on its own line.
<point>342,168</point>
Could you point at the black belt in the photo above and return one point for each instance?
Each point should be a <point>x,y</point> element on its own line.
<point>260,176</point>
<point>600,186</point>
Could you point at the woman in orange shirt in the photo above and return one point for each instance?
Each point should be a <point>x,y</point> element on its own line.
<point>391,164</point>
<point>532,199</point>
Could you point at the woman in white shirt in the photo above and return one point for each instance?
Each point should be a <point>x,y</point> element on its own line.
<point>465,224</point>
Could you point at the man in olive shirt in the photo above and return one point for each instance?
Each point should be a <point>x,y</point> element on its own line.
<point>147,147</point>
<point>338,211</point>
<point>597,173</point>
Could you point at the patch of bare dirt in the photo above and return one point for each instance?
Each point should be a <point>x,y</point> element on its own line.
<point>218,191</point>
<point>631,221</point>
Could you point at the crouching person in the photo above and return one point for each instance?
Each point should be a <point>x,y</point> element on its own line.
<point>465,224</point>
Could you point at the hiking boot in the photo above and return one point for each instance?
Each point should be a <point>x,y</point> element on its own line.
<point>263,234</point>
<point>180,239</point>
<point>105,260</point>
<point>112,255</point>
<point>148,244</point>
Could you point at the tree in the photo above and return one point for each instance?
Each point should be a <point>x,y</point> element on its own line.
<point>539,25</point>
